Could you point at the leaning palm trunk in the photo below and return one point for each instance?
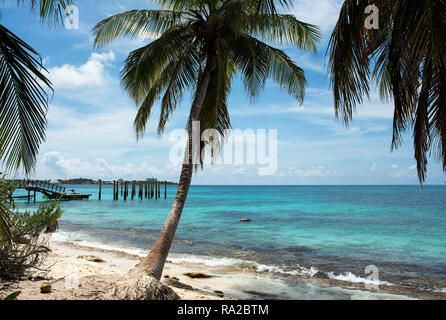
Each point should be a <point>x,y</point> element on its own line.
<point>142,282</point>
<point>214,40</point>
<point>155,260</point>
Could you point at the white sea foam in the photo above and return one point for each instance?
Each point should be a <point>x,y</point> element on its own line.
<point>231,262</point>
<point>350,277</point>
<point>212,262</point>
<point>68,237</point>
<point>84,240</point>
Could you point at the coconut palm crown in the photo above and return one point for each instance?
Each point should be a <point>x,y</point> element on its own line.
<point>200,46</point>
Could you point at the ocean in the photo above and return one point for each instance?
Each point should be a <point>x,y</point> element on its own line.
<point>294,230</point>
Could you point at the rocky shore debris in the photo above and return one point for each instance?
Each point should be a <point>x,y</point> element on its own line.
<point>45,288</point>
<point>219,293</point>
<point>321,275</point>
<point>177,284</point>
<point>92,259</point>
<point>197,275</point>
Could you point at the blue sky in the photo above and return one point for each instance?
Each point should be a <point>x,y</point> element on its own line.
<point>90,118</point>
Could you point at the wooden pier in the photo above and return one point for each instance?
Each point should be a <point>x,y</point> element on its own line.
<point>136,189</point>
<point>146,189</point>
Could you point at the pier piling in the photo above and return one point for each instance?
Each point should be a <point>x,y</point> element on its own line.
<point>156,189</point>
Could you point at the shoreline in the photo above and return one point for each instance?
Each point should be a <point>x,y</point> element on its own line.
<point>70,262</point>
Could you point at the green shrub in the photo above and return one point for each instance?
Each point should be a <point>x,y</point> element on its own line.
<point>21,246</point>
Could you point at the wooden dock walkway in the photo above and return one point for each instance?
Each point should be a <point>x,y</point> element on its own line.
<point>50,190</point>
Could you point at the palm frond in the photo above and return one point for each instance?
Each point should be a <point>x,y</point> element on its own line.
<point>214,113</point>
<point>23,102</point>
<point>259,61</point>
<point>183,5</point>
<point>51,12</point>
<point>266,7</point>
<point>284,29</point>
<point>182,77</point>
<point>143,66</point>
<point>252,59</point>
<point>178,74</point>
<point>140,23</point>
<point>349,59</point>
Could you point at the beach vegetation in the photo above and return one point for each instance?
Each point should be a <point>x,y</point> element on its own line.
<point>12,296</point>
<point>22,246</point>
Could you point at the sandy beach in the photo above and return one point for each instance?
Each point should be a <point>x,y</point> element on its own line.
<point>70,263</point>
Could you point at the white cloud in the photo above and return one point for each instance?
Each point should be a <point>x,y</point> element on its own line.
<point>309,62</point>
<point>323,13</point>
<point>319,172</point>
<point>92,73</point>
<point>374,109</point>
<point>56,165</point>
<point>373,168</point>
<point>413,167</point>
<point>394,166</point>
<point>108,133</point>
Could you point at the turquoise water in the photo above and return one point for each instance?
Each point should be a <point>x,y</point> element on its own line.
<point>336,229</point>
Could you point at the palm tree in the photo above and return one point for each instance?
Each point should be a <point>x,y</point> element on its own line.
<point>406,57</point>
<point>23,98</point>
<point>202,45</point>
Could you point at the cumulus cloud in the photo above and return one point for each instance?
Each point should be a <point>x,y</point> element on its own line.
<point>57,165</point>
<point>91,73</point>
